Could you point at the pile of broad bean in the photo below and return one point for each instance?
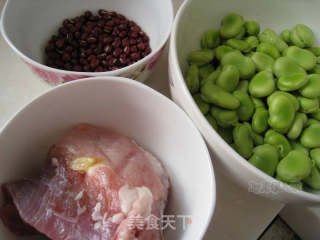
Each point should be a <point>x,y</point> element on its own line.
<point>261,93</point>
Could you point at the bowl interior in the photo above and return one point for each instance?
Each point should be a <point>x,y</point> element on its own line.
<point>130,108</point>
<point>30,24</point>
<point>192,21</point>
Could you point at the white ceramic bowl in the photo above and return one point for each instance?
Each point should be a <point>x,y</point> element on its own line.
<point>28,25</point>
<point>193,19</point>
<point>131,108</point>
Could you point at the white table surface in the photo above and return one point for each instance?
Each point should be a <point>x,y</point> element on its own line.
<point>238,215</point>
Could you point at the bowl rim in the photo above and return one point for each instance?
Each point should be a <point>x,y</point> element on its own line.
<point>133,83</point>
<point>258,174</point>
<point>119,71</point>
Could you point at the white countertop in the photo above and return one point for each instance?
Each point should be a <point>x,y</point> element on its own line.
<point>239,214</point>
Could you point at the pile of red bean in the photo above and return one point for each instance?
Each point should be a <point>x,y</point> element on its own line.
<point>97,43</point>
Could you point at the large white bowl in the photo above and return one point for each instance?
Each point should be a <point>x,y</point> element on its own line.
<point>193,19</point>
<point>131,108</point>
<point>28,25</point>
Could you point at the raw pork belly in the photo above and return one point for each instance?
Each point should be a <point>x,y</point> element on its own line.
<point>97,185</point>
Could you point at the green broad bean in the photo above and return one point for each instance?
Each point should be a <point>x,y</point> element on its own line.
<point>212,121</point>
<point>241,34</point>
<point>302,36</point>
<point>243,86</point>
<point>226,134</point>
<point>260,120</point>
<point>294,167</point>
<point>211,93</point>
<point>313,180</point>
<point>316,69</point>
<point>225,118</point>
<point>298,146</point>
<point>262,84</point>
<point>315,156</point>
<point>269,49</point>
<point>231,25</point>
<point>243,140</point>
<point>211,78</point>
<point>200,57</point>
<point>229,78</point>
<point>285,35</point>
<point>244,64</point>
<point>203,106</point>
<point>205,71</point>
<point>257,139</point>
<point>246,108</point>
<point>296,185</point>
<point>252,28</point>
<point>310,122</point>
<point>308,105</point>
<point>315,51</point>
<point>257,103</point>
<point>297,126</point>
<point>271,37</point>
<point>210,39</point>
<point>310,137</point>
<point>291,97</point>
<point>292,83</point>
<point>303,57</point>
<point>281,113</point>
<point>312,88</point>
<point>265,157</point>
<point>192,79</point>
<point>279,141</point>
<point>238,44</point>
<point>316,115</point>
<point>252,41</point>
<point>222,50</point>
<point>262,61</point>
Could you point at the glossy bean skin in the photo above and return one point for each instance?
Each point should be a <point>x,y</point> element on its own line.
<point>212,77</point>
<point>308,105</point>
<point>225,118</point>
<point>257,103</point>
<point>281,113</point>
<point>243,140</point>
<point>238,44</point>
<point>279,141</point>
<point>200,57</point>
<point>262,84</point>
<point>265,157</point>
<point>313,180</point>
<point>315,51</point>
<point>203,106</point>
<point>241,34</point>
<point>315,156</point>
<point>316,115</point>
<point>270,36</point>
<point>302,36</point>
<point>229,78</point>
<point>243,86</point>
<point>231,25</point>
<point>252,28</point>
<point>260,120</point>
<point>310,137</point>
<point>222,50</point>
<point>298,146</point>
<point>268,48</point>
<point>285,35</point>
<point>244,64</point>
<point>257,139</point>
<point>312,88</point>
<point>262,61</point>
<point>212,121</point>
<point>294,167</point>
<point>297,126</point>
<point>211,93</point>
<point>210,39</point>
<point>246,108</point>
<point>253,42</point>
<point>291,97</point>
<point>205,71</point>
<point>192,79</point>
<point>310,122</point>
<point>306,59</point>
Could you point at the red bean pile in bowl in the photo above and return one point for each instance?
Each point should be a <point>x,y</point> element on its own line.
<point>97,43</point>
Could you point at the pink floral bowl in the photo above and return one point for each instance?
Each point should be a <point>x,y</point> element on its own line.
<point>27,26</point>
